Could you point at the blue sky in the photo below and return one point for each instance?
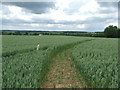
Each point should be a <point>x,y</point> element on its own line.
<point>57,15</point>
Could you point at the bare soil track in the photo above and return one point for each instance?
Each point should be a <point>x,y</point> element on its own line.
<point>63,73</point>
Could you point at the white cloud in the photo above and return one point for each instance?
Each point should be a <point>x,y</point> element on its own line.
<point>62,4</point>
<point>50,25</point>
<point>59,15</point>
<point>35,25</point>
<point>83,11</point>
<point>16,13</point>
<point>15,10</point>
<point>81,26</point>
<point>89,7</point>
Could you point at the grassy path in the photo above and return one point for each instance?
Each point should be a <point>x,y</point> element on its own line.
<point>62,73</point>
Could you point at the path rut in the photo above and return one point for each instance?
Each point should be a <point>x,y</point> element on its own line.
<point>63,73</point>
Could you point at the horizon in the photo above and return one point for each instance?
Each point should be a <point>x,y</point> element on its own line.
<point>28,30</point>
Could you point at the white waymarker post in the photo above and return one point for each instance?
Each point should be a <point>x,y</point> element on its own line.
<point>38,47</point>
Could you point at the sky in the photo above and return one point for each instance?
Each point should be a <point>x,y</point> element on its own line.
<point>58,15</point>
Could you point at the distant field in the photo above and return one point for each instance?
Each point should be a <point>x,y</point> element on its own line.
<point>18,43</point>
<point>25,67</point>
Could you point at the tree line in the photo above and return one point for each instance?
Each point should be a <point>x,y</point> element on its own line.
<point>109,32</point>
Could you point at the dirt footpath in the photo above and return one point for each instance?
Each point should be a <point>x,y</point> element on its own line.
<point>63,73</point>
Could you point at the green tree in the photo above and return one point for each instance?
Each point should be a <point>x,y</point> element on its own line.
<point>17,33</point>
<point>118,32</point>
<point>26,33</point>
<point>111,31</point>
